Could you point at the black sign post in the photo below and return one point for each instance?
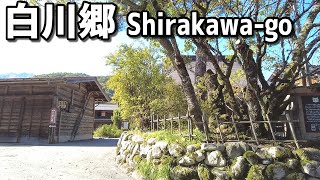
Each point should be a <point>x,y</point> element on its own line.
<point>311,110</point>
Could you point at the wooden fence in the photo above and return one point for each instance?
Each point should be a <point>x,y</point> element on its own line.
<point>157,123</point>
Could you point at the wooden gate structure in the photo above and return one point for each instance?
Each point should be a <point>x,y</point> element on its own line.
<point>25,107</point>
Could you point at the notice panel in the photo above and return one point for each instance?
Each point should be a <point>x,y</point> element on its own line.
<point>311,110</point>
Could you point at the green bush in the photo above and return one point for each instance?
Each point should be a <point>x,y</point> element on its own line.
<point>110,131</point>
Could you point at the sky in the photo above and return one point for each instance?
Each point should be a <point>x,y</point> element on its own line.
<point>58,55</point>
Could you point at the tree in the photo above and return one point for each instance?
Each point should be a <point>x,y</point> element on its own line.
<point>141,85</point>
<point>289,55</point>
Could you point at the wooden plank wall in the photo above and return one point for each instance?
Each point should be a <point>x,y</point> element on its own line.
<point>75,96</point>
<point>25,107</point>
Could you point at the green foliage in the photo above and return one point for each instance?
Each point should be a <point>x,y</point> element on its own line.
<point>251,157</point>
<point>150,171</point>
<point>116,119</point>
<point>61,74</point>
<point>174,138</point>
<point>141,85</point>
<point>255,173</point>
<point>204,172</point>
<point>107,131</point>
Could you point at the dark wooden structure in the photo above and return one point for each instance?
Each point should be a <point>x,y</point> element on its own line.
<point>26,104</point>
<point>103,114</point>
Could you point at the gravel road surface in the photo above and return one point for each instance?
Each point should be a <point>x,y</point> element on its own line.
<point>91,159</point>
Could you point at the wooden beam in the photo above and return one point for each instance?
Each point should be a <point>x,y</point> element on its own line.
<point>22,110</point>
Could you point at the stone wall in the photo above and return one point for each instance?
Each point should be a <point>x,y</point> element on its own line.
<point>232,160</point>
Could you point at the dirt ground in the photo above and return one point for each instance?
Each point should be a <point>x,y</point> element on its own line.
<point>92,159</point>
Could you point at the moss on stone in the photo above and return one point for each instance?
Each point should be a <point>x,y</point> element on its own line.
<point>204,172</point>
<point>251,157</point>
<point>137,159</point>
<point>308,154</point>
<point>256,173</point>
<point>270,170</point>
<point>183,173</point>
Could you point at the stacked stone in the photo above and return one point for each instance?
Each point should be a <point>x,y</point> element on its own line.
<point>231,160</point>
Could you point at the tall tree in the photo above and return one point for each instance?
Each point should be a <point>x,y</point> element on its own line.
<point>141,85</point>
<point>289,54</point>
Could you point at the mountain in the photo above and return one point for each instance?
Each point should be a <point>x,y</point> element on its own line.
<point>15,75</point>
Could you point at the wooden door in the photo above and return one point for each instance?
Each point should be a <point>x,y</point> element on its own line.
<point>11,115</point>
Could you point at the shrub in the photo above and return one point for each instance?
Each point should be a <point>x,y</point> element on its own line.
<point>107,131</point>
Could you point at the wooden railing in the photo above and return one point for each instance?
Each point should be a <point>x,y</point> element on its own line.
<point>166,123</point>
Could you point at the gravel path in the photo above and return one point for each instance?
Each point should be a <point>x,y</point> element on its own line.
<point>92,159</point>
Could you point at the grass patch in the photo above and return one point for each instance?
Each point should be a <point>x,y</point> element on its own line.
<point>151,171</point>
<point>174,138</point>
<point>107,131</point>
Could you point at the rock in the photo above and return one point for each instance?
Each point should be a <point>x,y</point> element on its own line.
<point>135,151</point>
<point>156,161</point>
<point>137,159</point>
<point>212,147</point>
<point>151,141</point>
<point>256,173</point>
<point>121,159</point>
<point>276,171</point>
<point>156,152</point>
<point>187,161</point>
<point>137,139</point>
<point>215,159</point>
<point>176,150</point>
<point>266,162</point>
<point>292,164</point>
<point>144,151</point>
<point>308,154</point>
<point>239,168</point>
<point>120,139</point>
<point>251,157</point>
<point>162,145</point>
<point>149,157</point>
<point>199,156</point>
<point>263,153</point>
<point>204,172</point>
<point>183,173</point>
<point>125,137</point>
<point>191,148</point>
<point>220,174</point>
<point>278,152</point>
<point>235,149</point>
<point>311,168</point>
<point>295,176</point>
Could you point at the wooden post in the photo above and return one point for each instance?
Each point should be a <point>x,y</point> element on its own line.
<point>179,123</point>
<point>22,110</point>
<point>235,127</point>
<point>157,122</point>
<point>271,129</point>
<point>164,122</point>
<point>218,121</point>
<point>254,131</point>
<point>60,119</point>
<point>171,125</point>
<point>203,120</point>
<point>291,128</point>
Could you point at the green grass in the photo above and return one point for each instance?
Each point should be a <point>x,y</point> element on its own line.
<point>174,138</point>
<point>107,131</point>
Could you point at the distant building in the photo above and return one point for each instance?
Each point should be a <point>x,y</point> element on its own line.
<point>191,66</point>
<point>103,114</point>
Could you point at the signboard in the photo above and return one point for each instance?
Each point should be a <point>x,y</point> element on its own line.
<point>63,105</point>
<point>311,110</point>
<point>53,117</point>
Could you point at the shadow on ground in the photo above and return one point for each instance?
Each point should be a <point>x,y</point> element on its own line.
<point>107,142</point>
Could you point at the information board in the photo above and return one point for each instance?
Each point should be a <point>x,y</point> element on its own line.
<point>311,110</point>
